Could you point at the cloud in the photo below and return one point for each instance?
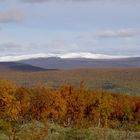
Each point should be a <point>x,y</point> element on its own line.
<point>9,48</point>
<point>11,15</point>
<point>35,1</point>
<point>42,1</point>
<point>129,33</point>
<point>13,48</point>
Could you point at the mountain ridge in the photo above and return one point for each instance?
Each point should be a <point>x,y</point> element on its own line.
<point>86,55</point>
<point>57,63</point>
<point>19,67</point>
<point>75,63</point>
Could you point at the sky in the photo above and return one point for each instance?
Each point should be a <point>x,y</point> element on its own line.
<point>35,27</point>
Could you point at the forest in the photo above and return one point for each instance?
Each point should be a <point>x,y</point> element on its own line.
<point>37,108</point>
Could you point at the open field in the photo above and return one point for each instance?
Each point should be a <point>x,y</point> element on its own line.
<point>119,80</point>
<point>62,133</point>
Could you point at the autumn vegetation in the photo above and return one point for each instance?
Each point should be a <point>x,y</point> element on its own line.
<point>114,80</point>
<point>67,106</point>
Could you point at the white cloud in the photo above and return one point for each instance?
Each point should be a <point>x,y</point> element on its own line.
<point>9,46</point>
<point>41,1</point>
<point>34,1</point>
<point>58,1</point>
<point>55,46</point>
<point>11,15</point>
<point>126,33</point>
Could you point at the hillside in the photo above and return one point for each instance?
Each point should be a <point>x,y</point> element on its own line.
<point>74,63</point>
<point>114,75</point>
<point>15,66</point>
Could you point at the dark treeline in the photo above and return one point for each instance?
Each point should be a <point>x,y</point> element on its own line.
<point>68,106</point>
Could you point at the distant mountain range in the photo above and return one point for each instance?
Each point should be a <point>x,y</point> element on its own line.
<point>86,55</point>
<point>75,63</point>
<point>56,63</point>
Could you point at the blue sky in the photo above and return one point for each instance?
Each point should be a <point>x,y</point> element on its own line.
<point>109,27</point>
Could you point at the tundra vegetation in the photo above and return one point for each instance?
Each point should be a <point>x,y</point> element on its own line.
<point>66,112</point>
<point>114,80</point>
